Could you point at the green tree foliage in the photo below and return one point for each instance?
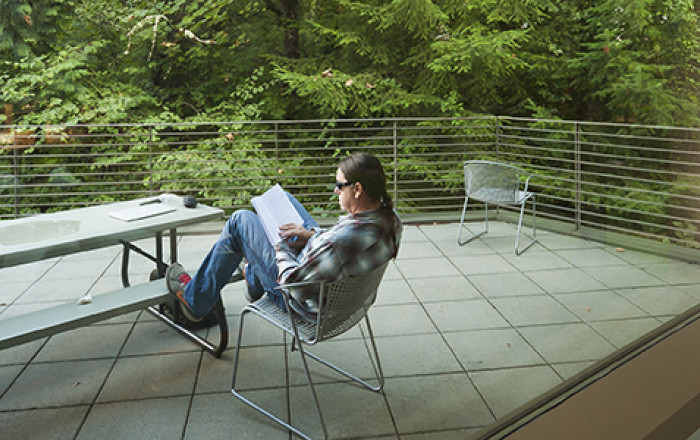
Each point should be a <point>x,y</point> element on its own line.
<point>112,60</point>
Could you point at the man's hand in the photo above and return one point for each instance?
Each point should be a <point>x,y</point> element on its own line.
<point>295,235</point>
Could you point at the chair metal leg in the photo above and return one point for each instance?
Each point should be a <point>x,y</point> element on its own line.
<point>374,359</point>
<point>519,251</point>
<point>461,224</point>
<point>262,410</point>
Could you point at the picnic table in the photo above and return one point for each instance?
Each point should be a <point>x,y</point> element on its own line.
<point>51,235</point>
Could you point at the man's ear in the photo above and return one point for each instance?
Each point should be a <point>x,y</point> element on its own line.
<point>358,190</point>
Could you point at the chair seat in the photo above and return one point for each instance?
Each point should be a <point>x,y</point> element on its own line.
<point>499,196</point>
<point>268,309</point>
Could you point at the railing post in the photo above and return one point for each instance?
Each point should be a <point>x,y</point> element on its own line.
<point>498,137</point>
<point>277,153</point>
<point>577,174</point>
<point>150,159</point>
<point>396,173</point>
<point>15,172</point>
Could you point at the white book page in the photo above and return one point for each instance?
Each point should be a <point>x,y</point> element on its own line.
<point>274,210</point>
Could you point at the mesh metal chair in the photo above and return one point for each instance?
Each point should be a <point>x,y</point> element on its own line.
<point>498,184</point>
<point>342,305</point>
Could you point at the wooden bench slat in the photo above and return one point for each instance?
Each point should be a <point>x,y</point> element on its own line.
<point>28,327</point>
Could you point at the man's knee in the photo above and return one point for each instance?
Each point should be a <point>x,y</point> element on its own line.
<point>239,217</point>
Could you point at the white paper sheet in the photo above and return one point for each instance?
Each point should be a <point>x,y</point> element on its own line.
<point>275,209</point>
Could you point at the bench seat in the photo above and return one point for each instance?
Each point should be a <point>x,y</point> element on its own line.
<point>46,322</point>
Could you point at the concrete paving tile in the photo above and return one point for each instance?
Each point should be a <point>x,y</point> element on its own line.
<point>57,290</point>
<point>536,261</point>
<point>691,289</point>
<point>233,297</point>
<point>438,232</point>
<point>506,244</point>
<point>443,289</point>
<point>18,308</point>
<point>446,401</point>
<point>416,354</point>
<point>600,305</point>
<point>348,354</point>
<point>622,277</point>
<point>152,337</point>
<point>418,249</point>
<point>505,284</point>
<point>21,354</point>
<point>214,375</point>
<point>533,310</point>
<point>591,257</point>
<point>565,280</point>
<point>392,272</point>
<point>403,319</point>
<point>560,242</point>
<point>676,272</point>
<point>465,315</point>
<point>450,247</point>
<point>106,284</point>
<point>662,300</point>
<point>74,269</point>
<point>489,349</point>
<point>97,341</point>
<point>412,233</point>
<point>43,424</point>
<point>29,271</point>
<point>349,411</point>
<point>139,419</point>
<point>640,258</point>
<point>56,384</point>
<point>623,332</point>
<point>221,416</point>
<point>258,367</point>
<point>425,268</point>
<point>8,373</point>
<point>105,254</point>
<point>13,289</point>
<point>256,332</point>
<point>394,292</point>
<point>567,342</point>
<point>482,264</point>
<point>567,370</point>
<point>507,389</point>
<point>151,376</point>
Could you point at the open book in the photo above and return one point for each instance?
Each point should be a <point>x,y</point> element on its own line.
<point>274,210</point>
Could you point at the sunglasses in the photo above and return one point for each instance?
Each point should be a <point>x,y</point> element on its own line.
<point>341,185</point>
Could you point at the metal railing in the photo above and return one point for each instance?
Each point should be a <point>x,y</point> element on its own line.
<point>641,181</point>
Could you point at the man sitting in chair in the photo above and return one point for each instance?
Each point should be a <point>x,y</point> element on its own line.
<point>367,237</point>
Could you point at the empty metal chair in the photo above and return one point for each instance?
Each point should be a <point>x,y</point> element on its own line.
<point>342,305</point>
<point>497,184</point>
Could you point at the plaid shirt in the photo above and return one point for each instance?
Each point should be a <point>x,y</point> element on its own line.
<point>355,245</point>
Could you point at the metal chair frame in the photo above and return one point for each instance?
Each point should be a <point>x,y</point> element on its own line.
<point>498,184</point>
<point>343,304</point>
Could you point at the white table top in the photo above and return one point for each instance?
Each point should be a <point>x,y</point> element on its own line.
<point>49,235</point>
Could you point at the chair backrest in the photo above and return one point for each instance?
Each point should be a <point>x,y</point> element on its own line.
<point>494,182</point>
<point>346,301</point>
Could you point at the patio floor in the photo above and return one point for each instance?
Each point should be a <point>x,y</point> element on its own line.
<point>466,335</point>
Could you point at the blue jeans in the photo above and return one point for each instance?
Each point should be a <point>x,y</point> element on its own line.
<point>243,236</point>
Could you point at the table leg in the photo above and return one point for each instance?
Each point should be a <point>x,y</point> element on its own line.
<point>212,349</point>
<point>159,310</point>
